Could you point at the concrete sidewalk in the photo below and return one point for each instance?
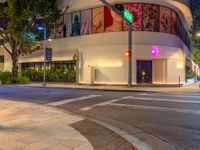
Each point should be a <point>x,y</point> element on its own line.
<point>188,88</point>
<point>27,126</point>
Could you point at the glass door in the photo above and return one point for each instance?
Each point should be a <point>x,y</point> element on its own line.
<point>144,71</point>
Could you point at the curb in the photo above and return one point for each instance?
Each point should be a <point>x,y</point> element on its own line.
<point>140,145</point>
<point>94,89</point>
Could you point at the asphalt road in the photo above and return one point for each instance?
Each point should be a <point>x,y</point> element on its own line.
<point>172,118</point>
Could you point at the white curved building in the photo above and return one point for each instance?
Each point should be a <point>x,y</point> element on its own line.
<point>93,39</point>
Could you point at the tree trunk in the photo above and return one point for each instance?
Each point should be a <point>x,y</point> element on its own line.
<point>15,66</point>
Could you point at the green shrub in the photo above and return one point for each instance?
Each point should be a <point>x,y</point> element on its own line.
<point>23,80</point>
<point>6,77</point>
<point>191,74</point>
<point>198,78</point>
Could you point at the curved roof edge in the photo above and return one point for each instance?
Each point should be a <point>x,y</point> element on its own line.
<point>181,6</point>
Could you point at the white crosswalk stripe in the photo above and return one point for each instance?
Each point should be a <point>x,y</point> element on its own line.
<point>157,108</point>
<point>58,103</point>
<point>173,95</point>
<point>164,100</point>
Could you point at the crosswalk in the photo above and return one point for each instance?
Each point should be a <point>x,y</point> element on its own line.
<point>143,98</point>
<point>58,103</point>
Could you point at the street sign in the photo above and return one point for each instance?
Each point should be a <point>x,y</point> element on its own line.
<point>49,54</point>
<point>128,16</point>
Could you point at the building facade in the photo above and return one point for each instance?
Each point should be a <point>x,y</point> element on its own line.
<point>91,40</point>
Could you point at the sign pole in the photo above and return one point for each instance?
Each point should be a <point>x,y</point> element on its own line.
<point>128,17</point>
<point>130,57</point>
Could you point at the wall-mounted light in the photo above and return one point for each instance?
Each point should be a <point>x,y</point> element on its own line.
<point>154,51</point>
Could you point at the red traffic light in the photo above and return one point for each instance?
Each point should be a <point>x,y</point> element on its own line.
<point>127,53</point>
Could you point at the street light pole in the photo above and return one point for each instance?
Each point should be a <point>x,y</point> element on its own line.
<point>45,38</point>
<point>43,28</point>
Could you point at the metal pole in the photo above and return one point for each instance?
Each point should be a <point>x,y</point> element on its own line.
<point>130,58</point>
<point>45,38</point>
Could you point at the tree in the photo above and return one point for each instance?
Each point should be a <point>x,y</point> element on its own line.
<point>18,20</point>
<point>195,7</point>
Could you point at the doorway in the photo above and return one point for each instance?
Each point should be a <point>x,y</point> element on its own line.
<point>144,71</point>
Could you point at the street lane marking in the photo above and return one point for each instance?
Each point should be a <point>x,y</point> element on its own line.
<point>142,94</point>
<point>164,100</point>
<point>58,103</point>
<point>171,95</point>
<point>103,103</point>
<point>157,108</point>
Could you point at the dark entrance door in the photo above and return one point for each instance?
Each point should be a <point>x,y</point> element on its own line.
<point>144,71</point>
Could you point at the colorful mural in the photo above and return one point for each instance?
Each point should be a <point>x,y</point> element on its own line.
<point>136,10</point>
<point>179,28</point>
<point>76,23</point>
<point>165,19</point>
<point>174,23</point>
<point>113,22</point>
<point>98,20</point>
<point>68,25</point>
<point>86,21</point>
<point>150,17</point>
<point>146,17</point>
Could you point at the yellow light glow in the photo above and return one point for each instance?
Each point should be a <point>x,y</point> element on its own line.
<point>179,66</point>
<point>198,34</point>
<point>49,40</point>
<point>110,65</point>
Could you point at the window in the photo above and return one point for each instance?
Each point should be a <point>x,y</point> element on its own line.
<point>1,59</point>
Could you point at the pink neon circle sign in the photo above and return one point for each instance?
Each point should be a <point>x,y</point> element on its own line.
<point>154,51</point>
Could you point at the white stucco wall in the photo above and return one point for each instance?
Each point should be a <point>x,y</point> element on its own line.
<point>106,53</point>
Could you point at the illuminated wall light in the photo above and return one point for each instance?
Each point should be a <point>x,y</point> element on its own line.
<point>154,51</point>
<point>179,66</point>
<point>106,65</point>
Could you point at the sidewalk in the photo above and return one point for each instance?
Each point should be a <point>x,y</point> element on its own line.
<point>189,88</point>
<point>27,126</point>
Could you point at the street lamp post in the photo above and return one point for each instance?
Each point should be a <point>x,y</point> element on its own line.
<point>43,28</point>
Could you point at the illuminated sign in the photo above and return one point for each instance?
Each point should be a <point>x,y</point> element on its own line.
<point>154,51</point>
<point>127,15</point>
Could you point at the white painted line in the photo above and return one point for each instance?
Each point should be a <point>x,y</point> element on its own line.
<point>158,108</point>
<point>164,100</point>
<point>72,100</point>
<point>103,103</point>
<point>171,95</point>
<point>143,94</point>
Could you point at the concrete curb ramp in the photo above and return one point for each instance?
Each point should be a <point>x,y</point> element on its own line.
<point>34,127</point>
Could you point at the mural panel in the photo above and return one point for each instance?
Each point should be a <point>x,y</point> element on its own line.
<point>136,10</point>
<point>165,19</point>
<point>174,23</point>
<point>68,25</point>
<point>150,17</point>
<point>98,20</point>
<point>179,27</point>
<point>76,23</point>
<point>86,21</point>
<point>59,28</point>
<point>113,22</point>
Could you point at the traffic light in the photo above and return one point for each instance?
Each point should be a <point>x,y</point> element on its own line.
<point>120,8</point>
<point>127,53</point>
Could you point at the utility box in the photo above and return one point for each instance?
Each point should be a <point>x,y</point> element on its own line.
<point>90,80</point>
